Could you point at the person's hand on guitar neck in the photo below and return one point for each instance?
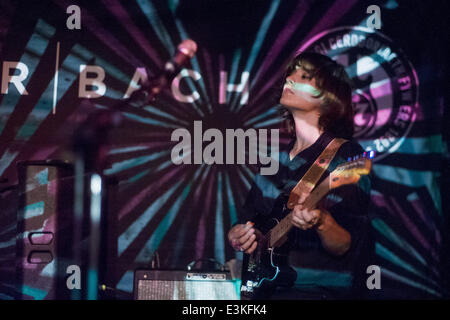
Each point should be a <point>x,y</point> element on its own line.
<point>335,239</point>
<point>304,217</point>
<point>243,237</point>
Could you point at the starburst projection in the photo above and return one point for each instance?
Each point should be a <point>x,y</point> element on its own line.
<point>183,212</point>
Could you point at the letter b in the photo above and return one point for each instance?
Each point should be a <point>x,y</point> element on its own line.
<point>97,82</point>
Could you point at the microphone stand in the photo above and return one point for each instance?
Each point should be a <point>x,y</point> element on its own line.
<point>89,145</point>
<point>90,151</point>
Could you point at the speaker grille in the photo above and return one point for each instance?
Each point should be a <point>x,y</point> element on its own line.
<point>180,285</point>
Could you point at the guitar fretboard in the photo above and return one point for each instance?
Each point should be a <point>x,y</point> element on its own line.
<point>278,232</point>
<point>277,235</point>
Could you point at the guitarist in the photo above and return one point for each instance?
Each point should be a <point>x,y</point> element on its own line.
<point>328,245</point>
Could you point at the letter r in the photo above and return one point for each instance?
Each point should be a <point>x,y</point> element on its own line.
<point>15,79</point>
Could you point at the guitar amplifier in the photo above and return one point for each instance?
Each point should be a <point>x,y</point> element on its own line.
<point>184,285</point>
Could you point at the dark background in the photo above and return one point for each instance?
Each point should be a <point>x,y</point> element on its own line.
<point>223,31</point>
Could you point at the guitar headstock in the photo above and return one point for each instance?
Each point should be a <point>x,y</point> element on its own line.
<point>351,171</point>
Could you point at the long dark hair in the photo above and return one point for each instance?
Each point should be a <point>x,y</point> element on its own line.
<point>336,113</point>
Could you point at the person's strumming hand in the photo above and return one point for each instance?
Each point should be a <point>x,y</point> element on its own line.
<point>243,237</point>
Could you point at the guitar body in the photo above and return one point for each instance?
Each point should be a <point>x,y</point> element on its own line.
<point>260,276</point>
<point>266,268</point>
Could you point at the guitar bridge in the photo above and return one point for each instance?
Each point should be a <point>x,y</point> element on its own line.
<point>248,287</point>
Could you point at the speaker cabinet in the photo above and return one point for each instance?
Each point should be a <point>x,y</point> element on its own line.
<point>43,241</point>
<point>184,285</point>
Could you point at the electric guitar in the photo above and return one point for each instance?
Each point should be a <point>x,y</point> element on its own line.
<point>265,268</point>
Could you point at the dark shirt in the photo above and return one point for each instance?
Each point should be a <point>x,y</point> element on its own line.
<point>318,272</point>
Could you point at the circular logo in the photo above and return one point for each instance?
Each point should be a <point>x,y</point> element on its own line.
<point>385,95</point>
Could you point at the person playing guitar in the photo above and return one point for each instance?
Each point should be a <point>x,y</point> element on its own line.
<point>322,256</point>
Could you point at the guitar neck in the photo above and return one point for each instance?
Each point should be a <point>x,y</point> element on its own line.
<point>344,174</point>
<point>278,234</point>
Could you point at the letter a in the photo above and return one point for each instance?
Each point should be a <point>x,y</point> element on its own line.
<point>181,152</point>
<point>139,75</point>
<point>374,281</point>
<point>374,21</point>
<point>74,20</point>
<point>74,280</point>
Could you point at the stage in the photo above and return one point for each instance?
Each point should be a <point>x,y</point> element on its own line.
<point>131,133</point>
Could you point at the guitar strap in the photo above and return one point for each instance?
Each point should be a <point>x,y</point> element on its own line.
<point>312,176</point>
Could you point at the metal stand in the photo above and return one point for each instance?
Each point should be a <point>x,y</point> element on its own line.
<point>90,149</point>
